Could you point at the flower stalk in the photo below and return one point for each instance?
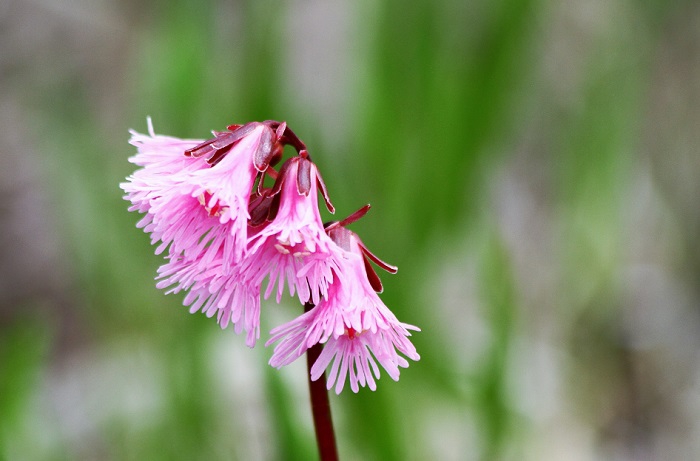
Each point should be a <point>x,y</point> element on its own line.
<point>320,406</point>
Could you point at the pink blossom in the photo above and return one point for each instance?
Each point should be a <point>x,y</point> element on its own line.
<point>198,210</point>
<point>191,206</point>
<point>224,191</point>
<point>223,239</point>
<point>293,248</point>
<point>358,330</point>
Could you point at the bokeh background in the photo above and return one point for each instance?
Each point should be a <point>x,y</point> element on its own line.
<point>532,167</point>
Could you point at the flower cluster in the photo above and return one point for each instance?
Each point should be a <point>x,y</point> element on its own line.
<point>225,232</point>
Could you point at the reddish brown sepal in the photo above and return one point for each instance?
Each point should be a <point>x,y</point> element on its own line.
<point>304,175</point>
<point>372,276</point>
<point>219,155</point>
<point>340,235</point>
<point>213,150</point>
<point>234,136</point>
<point>281,176</point>
<point>356,216</point>
<point>324,192</point>
<point>265,150</point>
<point>289,137</point>
<point>260,208</point>
<point>200,149</point>
<point>344,238</point>
<point>387,267</point>
<point>271,172</point>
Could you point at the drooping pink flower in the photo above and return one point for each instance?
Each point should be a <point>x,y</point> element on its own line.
<point>224,191</point>
<point>195,198</point>
<point>293,248</point>
<point>223,238</point>
<point>197,204</point>
<point>354,325</point>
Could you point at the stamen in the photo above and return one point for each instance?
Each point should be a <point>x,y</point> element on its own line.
<point>352,334</point>
<point>214,210</point>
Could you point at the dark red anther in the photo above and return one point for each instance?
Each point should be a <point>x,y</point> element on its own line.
<point>352,334</point>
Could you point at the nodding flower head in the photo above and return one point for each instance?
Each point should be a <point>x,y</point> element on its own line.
<point>224,232</point>
<point>195,195</point>
<point>291,246</point>
<point>194,205</point>
<point>358,330</point>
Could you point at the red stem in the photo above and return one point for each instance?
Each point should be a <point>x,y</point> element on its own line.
<point>320,406</point>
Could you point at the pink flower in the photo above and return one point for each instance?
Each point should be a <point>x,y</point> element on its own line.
<point>196,204</point>
<point>358,330</point>
<point>224,192</point>
<point>195,195</point>
<point>224,237</point>
<point>293,248</point>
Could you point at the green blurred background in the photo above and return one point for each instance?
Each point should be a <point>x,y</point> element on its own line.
<point>532,167</point>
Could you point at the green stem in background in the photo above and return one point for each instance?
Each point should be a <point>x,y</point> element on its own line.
<point>320,405</point>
